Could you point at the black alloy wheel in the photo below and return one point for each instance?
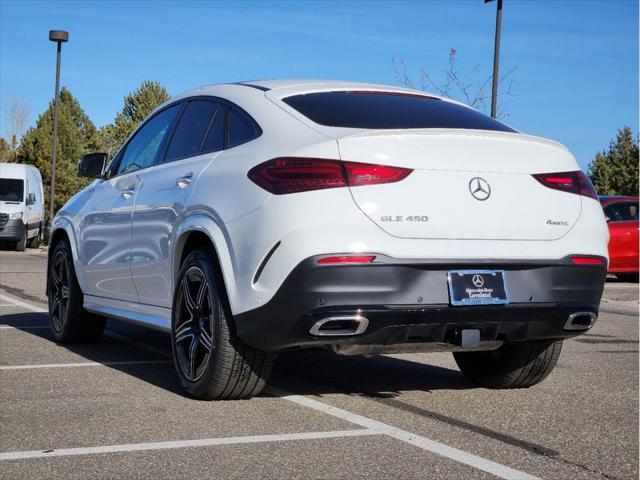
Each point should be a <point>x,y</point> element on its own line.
<point>193,337</point>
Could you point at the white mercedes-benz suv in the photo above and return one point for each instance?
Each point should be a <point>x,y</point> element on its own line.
<point>251,218</point>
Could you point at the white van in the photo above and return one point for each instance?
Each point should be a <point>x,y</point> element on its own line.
<point>21,205</point>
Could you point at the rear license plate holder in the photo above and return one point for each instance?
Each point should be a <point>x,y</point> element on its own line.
<point>477,287</point>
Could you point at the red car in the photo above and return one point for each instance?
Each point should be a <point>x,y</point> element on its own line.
<point>622,218</point>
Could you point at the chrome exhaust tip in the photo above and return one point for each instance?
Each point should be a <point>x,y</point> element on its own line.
<point>580,321</point>
<point>342,326</point>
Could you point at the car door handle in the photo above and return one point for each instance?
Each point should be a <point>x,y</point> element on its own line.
<point>128,193</point>
<point>184,181</point>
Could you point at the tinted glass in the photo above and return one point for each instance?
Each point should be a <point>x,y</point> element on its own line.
<point>241,128</point>
<point>215,137</point>
<point>380,110</point>
<point>143,148</point>
<point>622,212</point>
<point>192,128</point>
<point>11,190</point>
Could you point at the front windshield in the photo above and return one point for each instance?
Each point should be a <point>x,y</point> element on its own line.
<point>11,190</point>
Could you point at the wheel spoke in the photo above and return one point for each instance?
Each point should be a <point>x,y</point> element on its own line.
<point>55,274</point>
<point>202,293</point>
<point>55,304</point>
<point>64,293</point>
<point>183,332</point>
<point>192,358</point>
<point>62,272</point>
<point>205,340</point>
<point>188,299</point>
<point>62,307</point>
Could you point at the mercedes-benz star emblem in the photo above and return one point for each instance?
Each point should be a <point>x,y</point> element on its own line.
<point>478,281</point>
<point>479,188</point>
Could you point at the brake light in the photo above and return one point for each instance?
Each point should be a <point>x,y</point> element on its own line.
<point>587,261</point>
<point>570,182</point>
<point>294,174</point>
<point>346,259</point>
<point>367,174</point>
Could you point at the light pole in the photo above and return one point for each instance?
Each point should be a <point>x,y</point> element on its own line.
<point>496,58</point>
<point>58,36</point>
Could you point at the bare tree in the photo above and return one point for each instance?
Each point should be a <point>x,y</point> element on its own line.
<point>17,119</point>
<point>465,87</point>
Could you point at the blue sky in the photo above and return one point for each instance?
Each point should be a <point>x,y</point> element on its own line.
<point>576,82</point>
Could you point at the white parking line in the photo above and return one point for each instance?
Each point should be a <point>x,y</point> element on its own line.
<point>80,364</point>
<point>204,442</point>
<point>424,443</point>
<point>20,303</point>
<point>371,427</point>
<point>26,327</point>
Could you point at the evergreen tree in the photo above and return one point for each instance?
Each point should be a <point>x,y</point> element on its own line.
<point>5,151</point>
<point>137,106</point>
<point>76,136</point>
<point>615,172</point>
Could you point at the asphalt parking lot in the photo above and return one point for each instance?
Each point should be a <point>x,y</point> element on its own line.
<point>116,410</point>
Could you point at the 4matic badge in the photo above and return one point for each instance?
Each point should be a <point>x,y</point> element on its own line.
<point>558,223</point>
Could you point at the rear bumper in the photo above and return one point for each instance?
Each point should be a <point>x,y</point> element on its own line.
<point>12,231</point>
<point>407,301</point>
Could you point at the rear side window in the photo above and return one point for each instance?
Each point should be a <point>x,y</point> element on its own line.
<point>622,211</point>
<point>241,128</point>
<point>193,126</point>
<point>389,110</point>
<point>215,136</point>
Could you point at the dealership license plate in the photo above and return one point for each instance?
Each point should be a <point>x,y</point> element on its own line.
<point>477,287</point>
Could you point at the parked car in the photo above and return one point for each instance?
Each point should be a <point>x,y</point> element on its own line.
<point>622,217</point>
<point>252,218</point>
<point>21,205</point>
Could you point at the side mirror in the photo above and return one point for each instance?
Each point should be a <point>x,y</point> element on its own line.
<point>92,165</point>
<point>31,199</point>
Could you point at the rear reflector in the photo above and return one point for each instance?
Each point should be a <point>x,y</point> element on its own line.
<point>571,182</point>
<point>293,174</point>
<point>587,261</point>
<point>346,259</point>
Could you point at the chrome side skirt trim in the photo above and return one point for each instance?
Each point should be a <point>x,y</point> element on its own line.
<point>158,318</point>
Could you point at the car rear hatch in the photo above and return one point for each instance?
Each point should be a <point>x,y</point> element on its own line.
<point>465,184</point>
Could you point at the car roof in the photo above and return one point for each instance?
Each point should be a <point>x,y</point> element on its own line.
<point>281,88</point>
<point>311,84</point>
<point>16,170</point>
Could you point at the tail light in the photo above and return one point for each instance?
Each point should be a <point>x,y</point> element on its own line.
<point>293,174</point>
<point>571,182</point>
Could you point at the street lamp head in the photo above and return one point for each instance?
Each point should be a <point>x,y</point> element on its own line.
<point>58,36</point>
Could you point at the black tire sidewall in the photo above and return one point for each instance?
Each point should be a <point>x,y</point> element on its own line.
<point>21,244</point>
<point>35,241</point>
<point>78,326</point>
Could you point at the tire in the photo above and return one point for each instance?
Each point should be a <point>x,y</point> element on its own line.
<point>21,244</point>
<point>70,322</point>
<point>514,365</point>
<point>35,241</point>
<point>628,277</point>
<point>211,362</point>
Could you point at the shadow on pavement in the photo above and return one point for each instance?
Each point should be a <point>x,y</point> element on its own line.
<point>302,373</point>
<point>161,375</point>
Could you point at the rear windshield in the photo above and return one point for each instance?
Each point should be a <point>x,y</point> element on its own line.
<point>11,190</point>
<point>389,110</point>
